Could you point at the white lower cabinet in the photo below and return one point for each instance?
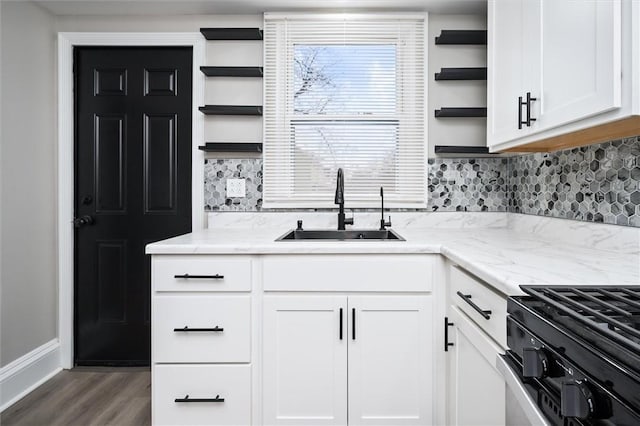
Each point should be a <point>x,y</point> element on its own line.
<point>476,334</point>
<point>477,390</point>
<point>270,339</point>
<point>201,371</point>
<point>357,360</point>
<point>304,361</point>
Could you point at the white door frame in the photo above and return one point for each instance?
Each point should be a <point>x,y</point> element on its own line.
<point>66,42</point>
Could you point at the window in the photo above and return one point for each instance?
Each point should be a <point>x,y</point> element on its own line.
<point>344,91</point>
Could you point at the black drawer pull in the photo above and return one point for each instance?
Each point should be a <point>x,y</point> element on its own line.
<point>467,298</point>
<point>187,329</point>
<point>200,277</point>
<point>187,399</point>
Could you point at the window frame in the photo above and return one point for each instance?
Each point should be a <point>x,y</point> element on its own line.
<point>289,118</point>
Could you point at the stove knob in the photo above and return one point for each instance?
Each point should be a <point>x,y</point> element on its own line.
<point>576,400</point>
<point>535,363</point>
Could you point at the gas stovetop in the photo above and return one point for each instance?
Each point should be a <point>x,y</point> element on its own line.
<point>608,318</point>
<point>585,336</point>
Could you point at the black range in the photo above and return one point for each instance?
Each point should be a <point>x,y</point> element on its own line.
<point>577,352</point>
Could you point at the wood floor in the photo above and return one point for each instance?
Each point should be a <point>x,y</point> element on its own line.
<point>86,396</point>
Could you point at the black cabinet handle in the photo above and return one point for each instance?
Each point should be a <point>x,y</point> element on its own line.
<point>187,399</point>
<point>200,277</point>
<point>447,324</point>
<point>529,100</point>
<point>526,103</point>
<point>353,323</point>
<point>187,329</point>
<point>340,323</point>
<point>467,298</point>
<point>520,105</point>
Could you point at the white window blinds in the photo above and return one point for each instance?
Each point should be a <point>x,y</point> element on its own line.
<point>344,91</point>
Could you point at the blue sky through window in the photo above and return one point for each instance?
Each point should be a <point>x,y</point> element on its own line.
<point>354,79</point>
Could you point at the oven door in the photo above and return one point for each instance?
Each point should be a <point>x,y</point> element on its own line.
<point>520,406</point>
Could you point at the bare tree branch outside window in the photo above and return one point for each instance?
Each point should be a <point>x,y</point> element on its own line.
<point>314,85</point>
<point>345,84</point>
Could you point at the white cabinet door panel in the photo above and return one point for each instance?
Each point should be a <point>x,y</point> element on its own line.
<point>505,70</point>
<point>390,360</point>
<point>580,60</point>
<point>477,390</point>
<point>305,362</point>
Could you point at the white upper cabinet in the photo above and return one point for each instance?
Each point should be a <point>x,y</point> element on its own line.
<point>550,63</point>
<point>579,49</point>
<point>505,70</point>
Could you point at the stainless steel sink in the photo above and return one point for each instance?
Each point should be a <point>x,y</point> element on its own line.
<point>336,235</point>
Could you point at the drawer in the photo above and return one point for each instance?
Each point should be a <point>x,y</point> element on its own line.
<point>367,272</point>
<point>229,382</point>
<point>201,273</point>
<point>485,298</point>
<point>221,328</point>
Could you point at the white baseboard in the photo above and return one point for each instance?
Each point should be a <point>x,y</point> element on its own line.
<point>26,373</point>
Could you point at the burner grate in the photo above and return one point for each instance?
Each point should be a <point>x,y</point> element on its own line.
<point>613,312</point>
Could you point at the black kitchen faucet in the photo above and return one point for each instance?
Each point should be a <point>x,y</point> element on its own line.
<point>342,221</point>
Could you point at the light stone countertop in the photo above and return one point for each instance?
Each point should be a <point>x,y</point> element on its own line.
<point>503,257</point>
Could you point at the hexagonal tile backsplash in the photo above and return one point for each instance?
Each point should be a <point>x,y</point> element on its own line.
<point>216,173</point>
<point>598,183</point>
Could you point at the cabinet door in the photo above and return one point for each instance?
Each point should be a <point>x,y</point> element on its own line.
<point>578,55</point>
<point>505,70</point>
<point>390,360</point>
<point>477,390</point>
<point>305,361</point>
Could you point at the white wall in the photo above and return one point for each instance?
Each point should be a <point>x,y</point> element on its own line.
<point>455,131</point>
<point>28,176</point>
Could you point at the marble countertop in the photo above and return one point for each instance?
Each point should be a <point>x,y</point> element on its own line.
<point>502,257</point>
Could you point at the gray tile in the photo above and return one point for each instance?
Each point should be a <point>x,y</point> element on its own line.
<point>602,178</point>
<point>598,183</point>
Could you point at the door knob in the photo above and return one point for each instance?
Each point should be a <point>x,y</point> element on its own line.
<point>82,221</point>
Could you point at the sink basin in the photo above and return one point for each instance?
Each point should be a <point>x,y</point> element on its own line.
<point>335,235</point>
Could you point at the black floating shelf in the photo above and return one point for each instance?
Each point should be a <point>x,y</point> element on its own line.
<point>232,71</point>
<point>462,37</point>
<point>462,74</point>
<point>231,147</point>
<point>231,110</point>
<point>461,112</point>
<point>452,149</point>
<point>232,33</point>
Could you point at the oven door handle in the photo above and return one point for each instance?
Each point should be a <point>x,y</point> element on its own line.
<point>527,404</point>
